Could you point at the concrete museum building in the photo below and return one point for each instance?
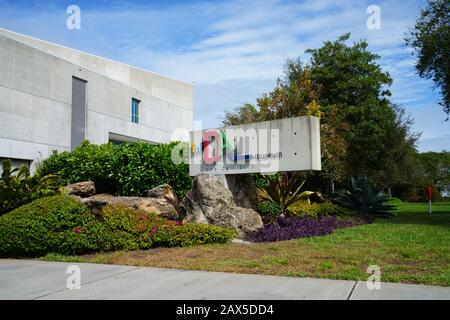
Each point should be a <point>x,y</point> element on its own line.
<point>54,98</point>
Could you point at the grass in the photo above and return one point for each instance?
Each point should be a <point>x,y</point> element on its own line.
<point>412,247</point>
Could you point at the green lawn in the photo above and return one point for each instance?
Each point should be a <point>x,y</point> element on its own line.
<point>412,247</point>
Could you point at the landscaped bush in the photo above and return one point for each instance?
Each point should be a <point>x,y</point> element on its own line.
<point>61,225</point>
<point>269,211</point>
<point>18,187</point>
<point>305,209</point>
<point>193,234</point>
<point>395,200</point>
<point>326,209</point>
<point>57,224</point>
<point>132,229</point>
<point>296,227</point>
<point>125,169</point>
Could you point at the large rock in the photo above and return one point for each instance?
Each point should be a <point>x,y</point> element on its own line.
<point>244,191</point>
<point>165,192</point>
<point>165,205</point>
<point>80,189</point>
<point>210,202</point>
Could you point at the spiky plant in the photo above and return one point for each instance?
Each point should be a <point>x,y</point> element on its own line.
<point>285,191</point>
<point>361,197</point>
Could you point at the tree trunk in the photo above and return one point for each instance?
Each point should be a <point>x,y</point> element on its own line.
<point>389,191</point>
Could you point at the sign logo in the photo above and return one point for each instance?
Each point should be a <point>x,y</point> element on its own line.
<point>265,147</point>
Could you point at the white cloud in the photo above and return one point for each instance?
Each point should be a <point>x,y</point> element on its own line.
<point>234,49</point>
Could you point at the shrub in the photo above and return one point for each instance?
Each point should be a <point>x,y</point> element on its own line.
<point>61,225</point>
<point>17,187</point>
<point>194,234</point>
<point>305,209</point>
<point>125,169</point>
<point>132,229</point>
<point>297,227</point>
<point>326,209</point>
<point>394,200</point>
<point>284,190</point>
<point>329,209</point>
<point>269,211</point>
<point>57,224</point>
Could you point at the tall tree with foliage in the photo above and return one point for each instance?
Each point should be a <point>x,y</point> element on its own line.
<point>400,166</point>
<point>348,74</point>
<point>351,79</point>
<point>430,39</point>
<point>361,129</point>
<point>436,167</point>
<point>295,94</point>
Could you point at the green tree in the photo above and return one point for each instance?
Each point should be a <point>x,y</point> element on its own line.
<point>348,75</point>
<point>400,166</point>
<point>245,114</point>
<point>430,39</point>
<point>295,94</point>
<point>351,79</point>
<point>362,132</point>
<point>436,167</point>
<point>429,169</point>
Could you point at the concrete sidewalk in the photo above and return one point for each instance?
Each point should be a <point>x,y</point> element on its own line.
<point>24,279</point>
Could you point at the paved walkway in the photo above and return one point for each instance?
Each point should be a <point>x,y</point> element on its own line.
<point>24,279</point>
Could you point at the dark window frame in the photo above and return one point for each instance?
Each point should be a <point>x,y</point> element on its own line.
<point>135,104</point>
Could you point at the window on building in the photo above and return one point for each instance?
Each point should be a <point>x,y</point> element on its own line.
<point>135,110</point>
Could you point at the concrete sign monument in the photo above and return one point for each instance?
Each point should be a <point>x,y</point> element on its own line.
<point>291,144</point>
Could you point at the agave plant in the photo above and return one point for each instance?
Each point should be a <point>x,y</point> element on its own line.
<point>362,198</point>
<point>285,191</point>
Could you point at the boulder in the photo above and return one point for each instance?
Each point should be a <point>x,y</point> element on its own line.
<point>244,191</point>
<point>165,192</point>
<point>159,206</point>
<point>210,202</point>
<point>80,189</point>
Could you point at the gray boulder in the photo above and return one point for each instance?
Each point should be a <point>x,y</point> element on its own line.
<point>163,201</point>
<point>244,191</point>
<point>210,202</point>
<point>165,192</point>
<point>80,189</point>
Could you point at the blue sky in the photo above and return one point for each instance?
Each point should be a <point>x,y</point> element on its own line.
<point>234,50</point>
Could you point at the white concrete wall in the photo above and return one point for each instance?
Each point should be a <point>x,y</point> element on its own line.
<point>36,94</point>
<point>166,88</point>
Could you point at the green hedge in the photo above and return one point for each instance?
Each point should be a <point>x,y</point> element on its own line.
<point>61,225</point>
<point>125,169</point>
<point>132,229</point>
<point>269,211</point>
<point>326,209</point>
<point>56,224</point>
<point>194,234</point>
